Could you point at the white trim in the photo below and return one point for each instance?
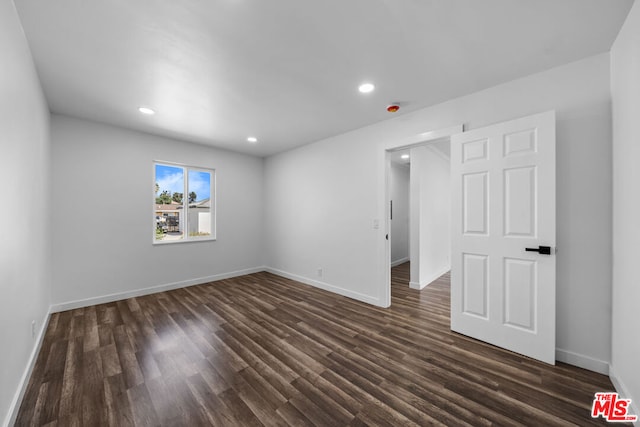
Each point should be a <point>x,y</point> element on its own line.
<point>70,305</point>
<point>429,280</point>
<point>417,286</point>
<point>561,355</point>
<point>12,413</point>
<point>384,250</point>
<point>438,153</point>
<point>582,361</point>
<point>171,242</point>
<point>327,287</point>
<point>213,202</point>
<point>624,393</point>
<point>424,137</point>
<point>399,261</point>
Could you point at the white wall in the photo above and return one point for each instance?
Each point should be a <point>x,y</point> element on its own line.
<point>430,216</point>
<point>102,214</point>
<point>625,91</point>
<point>321,204</point>
<point>25,244</point>
<point>399,190</point>
<point>322,198</point>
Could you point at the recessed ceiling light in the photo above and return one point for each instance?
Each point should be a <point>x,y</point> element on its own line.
<point>147,111</point>
<point>404,156</point>
<point>252,139</point>
<point>366,87</point>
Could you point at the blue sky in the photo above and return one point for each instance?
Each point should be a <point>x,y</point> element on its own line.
<point>171,178</point>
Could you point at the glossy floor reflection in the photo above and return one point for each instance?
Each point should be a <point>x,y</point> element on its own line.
<point>264,350</point>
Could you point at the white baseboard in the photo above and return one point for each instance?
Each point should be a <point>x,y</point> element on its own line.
<point>582,361</point>
<point>417,286</point>
<point>424,283</point>
<point>326,286</point>
<point>623,391</point>
<point>70,305</point>
<point>14,407</point>
<point>561,355</point>
<point>399,261</point>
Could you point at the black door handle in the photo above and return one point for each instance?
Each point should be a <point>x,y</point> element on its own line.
<point>542,250</point>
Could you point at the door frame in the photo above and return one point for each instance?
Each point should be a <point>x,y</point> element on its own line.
<point>384,159</point>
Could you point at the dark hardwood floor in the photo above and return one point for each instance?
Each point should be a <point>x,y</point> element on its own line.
<point>263,350</point>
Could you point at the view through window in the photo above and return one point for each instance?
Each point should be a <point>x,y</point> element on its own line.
<point>184,205</point>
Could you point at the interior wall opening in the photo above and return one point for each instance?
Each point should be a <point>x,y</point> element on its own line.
<point>420,210</point>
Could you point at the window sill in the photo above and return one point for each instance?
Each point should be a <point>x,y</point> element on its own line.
<point>171,242</point>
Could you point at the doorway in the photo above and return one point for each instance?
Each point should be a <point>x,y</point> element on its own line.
<point>418,182</point>
<point>503,238</point>
<point>420,210</point>
<point>399,179</point>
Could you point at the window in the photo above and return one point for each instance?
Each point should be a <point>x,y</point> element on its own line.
<point>183,204</point>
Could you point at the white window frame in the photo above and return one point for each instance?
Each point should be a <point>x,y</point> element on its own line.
<point>185,203</point>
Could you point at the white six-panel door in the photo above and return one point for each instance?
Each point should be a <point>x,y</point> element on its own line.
<point>503,201</point>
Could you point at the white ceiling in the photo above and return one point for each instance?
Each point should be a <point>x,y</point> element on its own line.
<point>443,146</point>
<point>287,71</point>
<point>396,157</point>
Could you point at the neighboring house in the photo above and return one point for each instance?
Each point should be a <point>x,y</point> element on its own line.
<point>169,211</point>
<point>200,217</point>
<point>202,204</point>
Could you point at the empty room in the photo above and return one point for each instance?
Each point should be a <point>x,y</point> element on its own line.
<point>239,212</point>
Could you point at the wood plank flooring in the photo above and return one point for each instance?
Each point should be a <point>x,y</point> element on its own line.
<point>263,350</point>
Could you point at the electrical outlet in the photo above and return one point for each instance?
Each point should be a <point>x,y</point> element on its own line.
<point>33,329</point>
<point>319,272</point>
